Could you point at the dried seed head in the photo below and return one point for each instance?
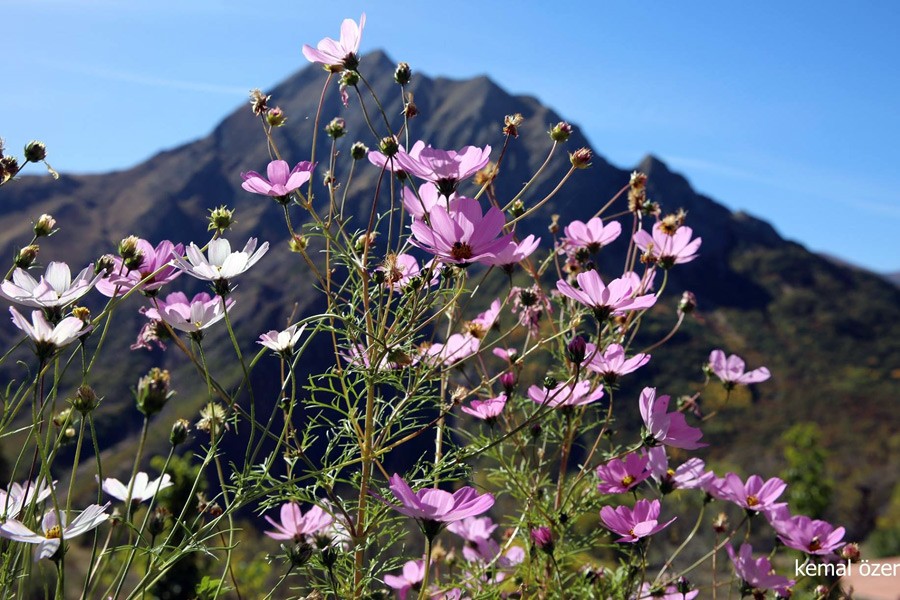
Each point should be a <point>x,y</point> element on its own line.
<point>258,102</point>
<point>511,124</point>
<point>358,151</point>
<point>26,256</point>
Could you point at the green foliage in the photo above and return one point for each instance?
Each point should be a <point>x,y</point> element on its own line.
<point>809,486</point>
<point>886,538</point>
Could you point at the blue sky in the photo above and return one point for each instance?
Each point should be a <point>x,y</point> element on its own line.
<point>788,110</point>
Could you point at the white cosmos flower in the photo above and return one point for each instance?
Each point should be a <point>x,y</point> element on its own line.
<point>222,262</point>
<point>19,496</point>
<point>282,341</point>
<point>53,530</point>
<point>142,489</point>
<point>55,288</point>
<point>192,315</point>
<point>47,337</point>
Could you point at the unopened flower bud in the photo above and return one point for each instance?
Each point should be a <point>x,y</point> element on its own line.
<point>349,78</point>
<point>581,158</point>
<point>298,243</point>
<point>26,256</point>
<point>258,102</point>
<point>550,382</point>
<point>180,430</point>
<point>128,247</point>
<point>63,418</point>
<point>820,592</point>
<point>511,124</point>
<point>402,74</point>
<point>298,554</point>
<point>576,349</point>
<point>536,430</point>
<point>336,128</point>
<point>561,132</point>
<point>104,264</point>
<point>85,399</point>
<point>220,219</point>
<point>388,146</point>
<point>542,538</point>
<point>364,240</point>
<point>44,225</point>
<point>508,381</point>
<point>517,209</point>
<point>153,391</point>
<point>35,151</point>
<point>688,303</point>
<point>276,117</point>
<point>851,552</point>
<point>156,522</point>
<point>358,151</point>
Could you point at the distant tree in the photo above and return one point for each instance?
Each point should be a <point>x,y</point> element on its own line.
<point>809,486</point>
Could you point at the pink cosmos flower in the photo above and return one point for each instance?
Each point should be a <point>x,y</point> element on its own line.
<point>507,354</point>
<point>400,270</point>
<point>282,179</point>
<point>756,494</point>
<point>566,395</point>
<point>690,475</point>
<point>339,55</point>
<point>514,253</point>
<point>634,524</point>
<point>611,363</point>
<point>592,235</point>
<point>671,592</point>
<point>473,529</point>
<point>48,338</point>
<point>282,342</point>
<point>151,334</point>
<point>54,529</point>
<point>463,234</point>
<point>409,580</point>
<point>445,168</point>
<point>615,299</point>
<point>435,508</point>
<point>480,325</point>
<point>458,347</point>
<point>530,304</point>
<point>619,476</point>
<point>731,370</point>
<point>357,355</point>
<point>486,410</point>
<point>812,536</point>
<point>487,551</point>
<point>55,288</point>
<point>297,526</point>
<point>20,496</point>
<point>222,264</point>
<point>759,573</point>
<point>668,249</point>
<point>142,489</point>
<point>427,190</point>
<point>667,428</point>
<point>420,206</point>
<point>192,315</point>
<point>154,267</point>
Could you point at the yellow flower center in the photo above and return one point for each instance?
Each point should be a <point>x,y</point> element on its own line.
<point>752,500</point>
<point>627,480</point>
<point>54,533</point>
<point>815,544</point>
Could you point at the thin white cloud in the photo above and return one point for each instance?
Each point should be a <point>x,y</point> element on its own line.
<point>149,80</point>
